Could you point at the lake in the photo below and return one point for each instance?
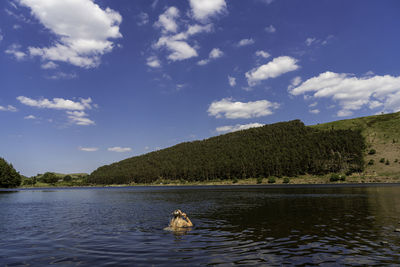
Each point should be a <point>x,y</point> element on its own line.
<point>250,225</point>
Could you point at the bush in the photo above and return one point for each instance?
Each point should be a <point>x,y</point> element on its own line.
<point>271,180</point>
<point>387,162</point>
<point>235,180</point>
<point>371,162</point>
<point>342,178</point>
<point>67,178</point>
<point>382,160</point>
<point>396,160</point>
<point>259,180</point>
<point>49,178</point>
<point>372,151</point>
<point>334,177</point>
<point>286,180</point>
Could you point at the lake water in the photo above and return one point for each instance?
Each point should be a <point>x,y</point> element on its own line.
<point>250,225</point>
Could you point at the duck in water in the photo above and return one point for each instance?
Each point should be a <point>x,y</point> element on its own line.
<point>179,221</point>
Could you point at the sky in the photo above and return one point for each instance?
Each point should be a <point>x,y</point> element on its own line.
<point>85,83</point>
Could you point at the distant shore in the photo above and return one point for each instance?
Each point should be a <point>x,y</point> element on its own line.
<point>354,179</point>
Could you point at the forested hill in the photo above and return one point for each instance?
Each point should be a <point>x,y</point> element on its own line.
<point>280,149</point>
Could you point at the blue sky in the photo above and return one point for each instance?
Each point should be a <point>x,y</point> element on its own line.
<point>85,83</point>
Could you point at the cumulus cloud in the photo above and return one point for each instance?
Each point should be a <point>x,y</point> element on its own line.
<point>82,28</point>
<point>153,62</point>
<point>294,82</point>
<point>353,93</point>
<point>143,19</point>
<point>49,65</point>
<point>166,21</point>
<point>203,9</point>
<point>74,109</point>
<point>245,42</point>
<point>8,108</point>
<point>272,69</point>
<point>15,50</point>
<point>79,118</point>
<point>119,149</point>
<point>314,111</point>
<point>57,103</point>
<point>235,110</point>
<point>270,29</point>
<point>263,54</point>
<point>309,41</point>
<point>178,44</point>
<point>61,76</point>
<point>237,127</point>
<point>232,81</point>
<point>214,54</point>
<point>1,36</point>
<point>30,117</point>
<point>88,149</point>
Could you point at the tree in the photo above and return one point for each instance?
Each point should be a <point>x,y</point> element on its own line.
<point>67,178</point>
<point>9,177</point>
<point>49,178</point>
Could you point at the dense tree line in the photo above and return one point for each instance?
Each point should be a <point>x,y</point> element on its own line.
<point>280,149</point>
<point>9,177</point>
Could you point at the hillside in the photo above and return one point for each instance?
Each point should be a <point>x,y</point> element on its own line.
<point>382,134</point>
<point>280,149</point>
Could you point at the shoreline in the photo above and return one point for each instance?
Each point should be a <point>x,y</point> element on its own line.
<point>355,180</point>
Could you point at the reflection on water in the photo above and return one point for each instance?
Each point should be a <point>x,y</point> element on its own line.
<point>232,225</point>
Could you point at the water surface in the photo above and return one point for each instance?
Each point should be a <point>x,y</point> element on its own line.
<point>251,225</point>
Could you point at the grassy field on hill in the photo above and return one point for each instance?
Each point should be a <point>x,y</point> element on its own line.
<point>382,135</point>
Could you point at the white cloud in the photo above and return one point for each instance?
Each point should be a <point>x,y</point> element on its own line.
<point>88,149</point>
<point>314,111</point>
<point>203,62</point>
<point>1,36</point>
<point>313,105</point>
<point>119,149</point>
<point>270,29</point>
<point>180,50</point>
<point>153,62</point>
<point>61,75</point>
<point>14,50</point>
<point>49,65</point>
<point>8,108</point>
<point>203,9</point>
<point>309,41</point>
<point>143,19</point>
<point>166,21</point>
<point>177,44</point>
<point>237,127</point>
<point>74,109</point>
<point>353,93</point>
<point>245,42</point>
<point>56,103</point>
<point>262,54</point>
<point>272,69</point>
<point>235,110</point>
<point>232,81</point>
<point>79,118</point>
<point>294,82</point>
<point>30,117</point>
<point>16,26</point>
<point>214,54</point>
<point>82,27</point>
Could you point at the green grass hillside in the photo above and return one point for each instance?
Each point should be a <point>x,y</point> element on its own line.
<point>382,135</point>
